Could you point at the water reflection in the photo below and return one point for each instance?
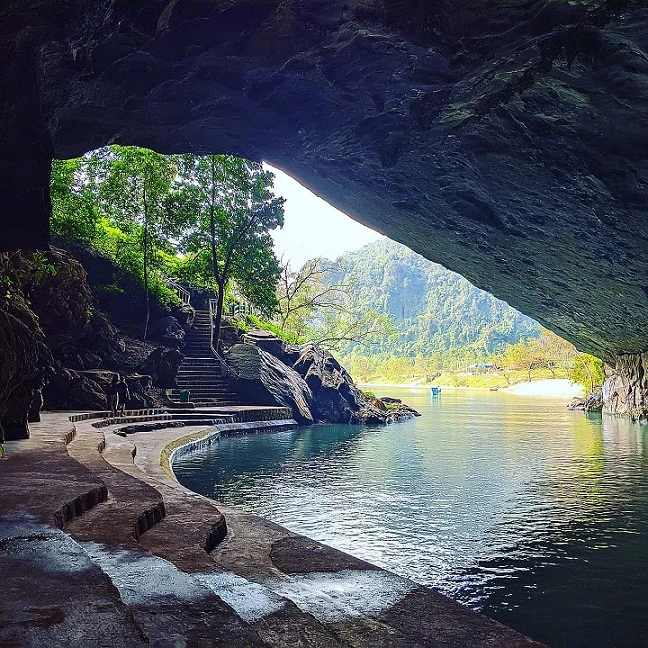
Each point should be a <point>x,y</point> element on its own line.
<point>516,506</point>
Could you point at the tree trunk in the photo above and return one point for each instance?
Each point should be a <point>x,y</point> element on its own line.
<point>146,282</point>
<point>219,317</point>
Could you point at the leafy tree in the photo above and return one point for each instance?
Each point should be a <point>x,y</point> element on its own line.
<point>74,201</point>
<point>134,190</point>
<point>313,307</point>
<point>228,210</point>
<point>523,355</point>
<point>588,371</point>
<point>554,352</point>
<point>301,294</point>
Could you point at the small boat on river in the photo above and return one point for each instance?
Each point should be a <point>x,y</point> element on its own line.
<point>435,391</point>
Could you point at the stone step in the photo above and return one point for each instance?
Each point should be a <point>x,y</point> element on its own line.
<point>199,366</point>
<point>201,381</point>
<point>204,360</point>
<point>217,393</point>
<point>215,400</point>
<point>203,385</point>
<point>204,411</point>
<point>116,420</point>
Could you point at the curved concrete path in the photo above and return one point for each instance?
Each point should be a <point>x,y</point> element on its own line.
<point>99,549</point>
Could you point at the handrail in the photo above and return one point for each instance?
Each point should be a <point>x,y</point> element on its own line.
<point>183,294</point>
<point>228,371</point>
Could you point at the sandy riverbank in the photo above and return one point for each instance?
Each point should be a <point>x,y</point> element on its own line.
<point>555,387</point>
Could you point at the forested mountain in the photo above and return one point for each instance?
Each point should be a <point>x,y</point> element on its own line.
<point>436,311</point>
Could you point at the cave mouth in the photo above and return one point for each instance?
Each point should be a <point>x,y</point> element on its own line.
<point>503,141</point>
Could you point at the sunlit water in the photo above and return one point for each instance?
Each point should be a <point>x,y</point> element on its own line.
<point>535,515</point>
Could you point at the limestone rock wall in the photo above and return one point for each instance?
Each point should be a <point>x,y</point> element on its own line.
<point>625,390</point>
<point>504,140</point>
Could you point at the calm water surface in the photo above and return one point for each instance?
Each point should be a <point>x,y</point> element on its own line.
<point>532,514</point>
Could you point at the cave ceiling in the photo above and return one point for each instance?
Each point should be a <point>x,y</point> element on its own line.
<point>507,141</point>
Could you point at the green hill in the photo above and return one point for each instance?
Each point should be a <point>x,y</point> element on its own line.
<point>436,311</point>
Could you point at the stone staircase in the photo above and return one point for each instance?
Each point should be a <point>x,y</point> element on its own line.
<point>201,371</point>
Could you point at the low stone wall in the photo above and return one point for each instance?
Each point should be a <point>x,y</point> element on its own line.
<point>207,436</point>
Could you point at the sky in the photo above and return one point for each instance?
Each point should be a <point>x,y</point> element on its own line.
<point>313,228</point>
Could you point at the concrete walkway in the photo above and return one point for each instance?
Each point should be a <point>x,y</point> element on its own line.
<point>99,549</point>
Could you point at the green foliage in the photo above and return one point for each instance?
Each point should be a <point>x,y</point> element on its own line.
<point>203,219</point>
<point>226,210</point>
<point>40,267</point>
<point>110,289</point>
<point>588,371</point>
<point>74,209</point>
<point>115,200</point>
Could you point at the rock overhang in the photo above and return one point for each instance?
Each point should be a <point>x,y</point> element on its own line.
<point>506,141</point>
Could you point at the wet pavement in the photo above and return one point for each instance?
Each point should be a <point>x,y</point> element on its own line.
<point>100,549</point>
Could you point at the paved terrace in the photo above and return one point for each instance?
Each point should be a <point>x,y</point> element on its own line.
<point>101,547</point>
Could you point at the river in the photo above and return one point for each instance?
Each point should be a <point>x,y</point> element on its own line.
<point>532,514</point>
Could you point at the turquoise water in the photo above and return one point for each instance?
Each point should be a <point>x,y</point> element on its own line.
<point>534,515</point>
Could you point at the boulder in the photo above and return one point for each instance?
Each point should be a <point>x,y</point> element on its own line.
<point>266,340</point>
<point>162,366</point>
<point>272,343</point>
<point>264,380</point>
<point>138,385</point>
<point>184,314</point>
<point>335,395</point>
<point>230,334</point>
<point>68,389</point>
<point>594,402</point>
<point>336,398</point>
<point>170,332</point>
<point>576,404</point>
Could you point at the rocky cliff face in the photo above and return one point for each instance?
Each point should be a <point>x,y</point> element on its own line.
<point>625,389</point>
<point>55,343</point>
<point>504,140</point>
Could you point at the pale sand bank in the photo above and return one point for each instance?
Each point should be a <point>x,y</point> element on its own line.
<point>552,387</point>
